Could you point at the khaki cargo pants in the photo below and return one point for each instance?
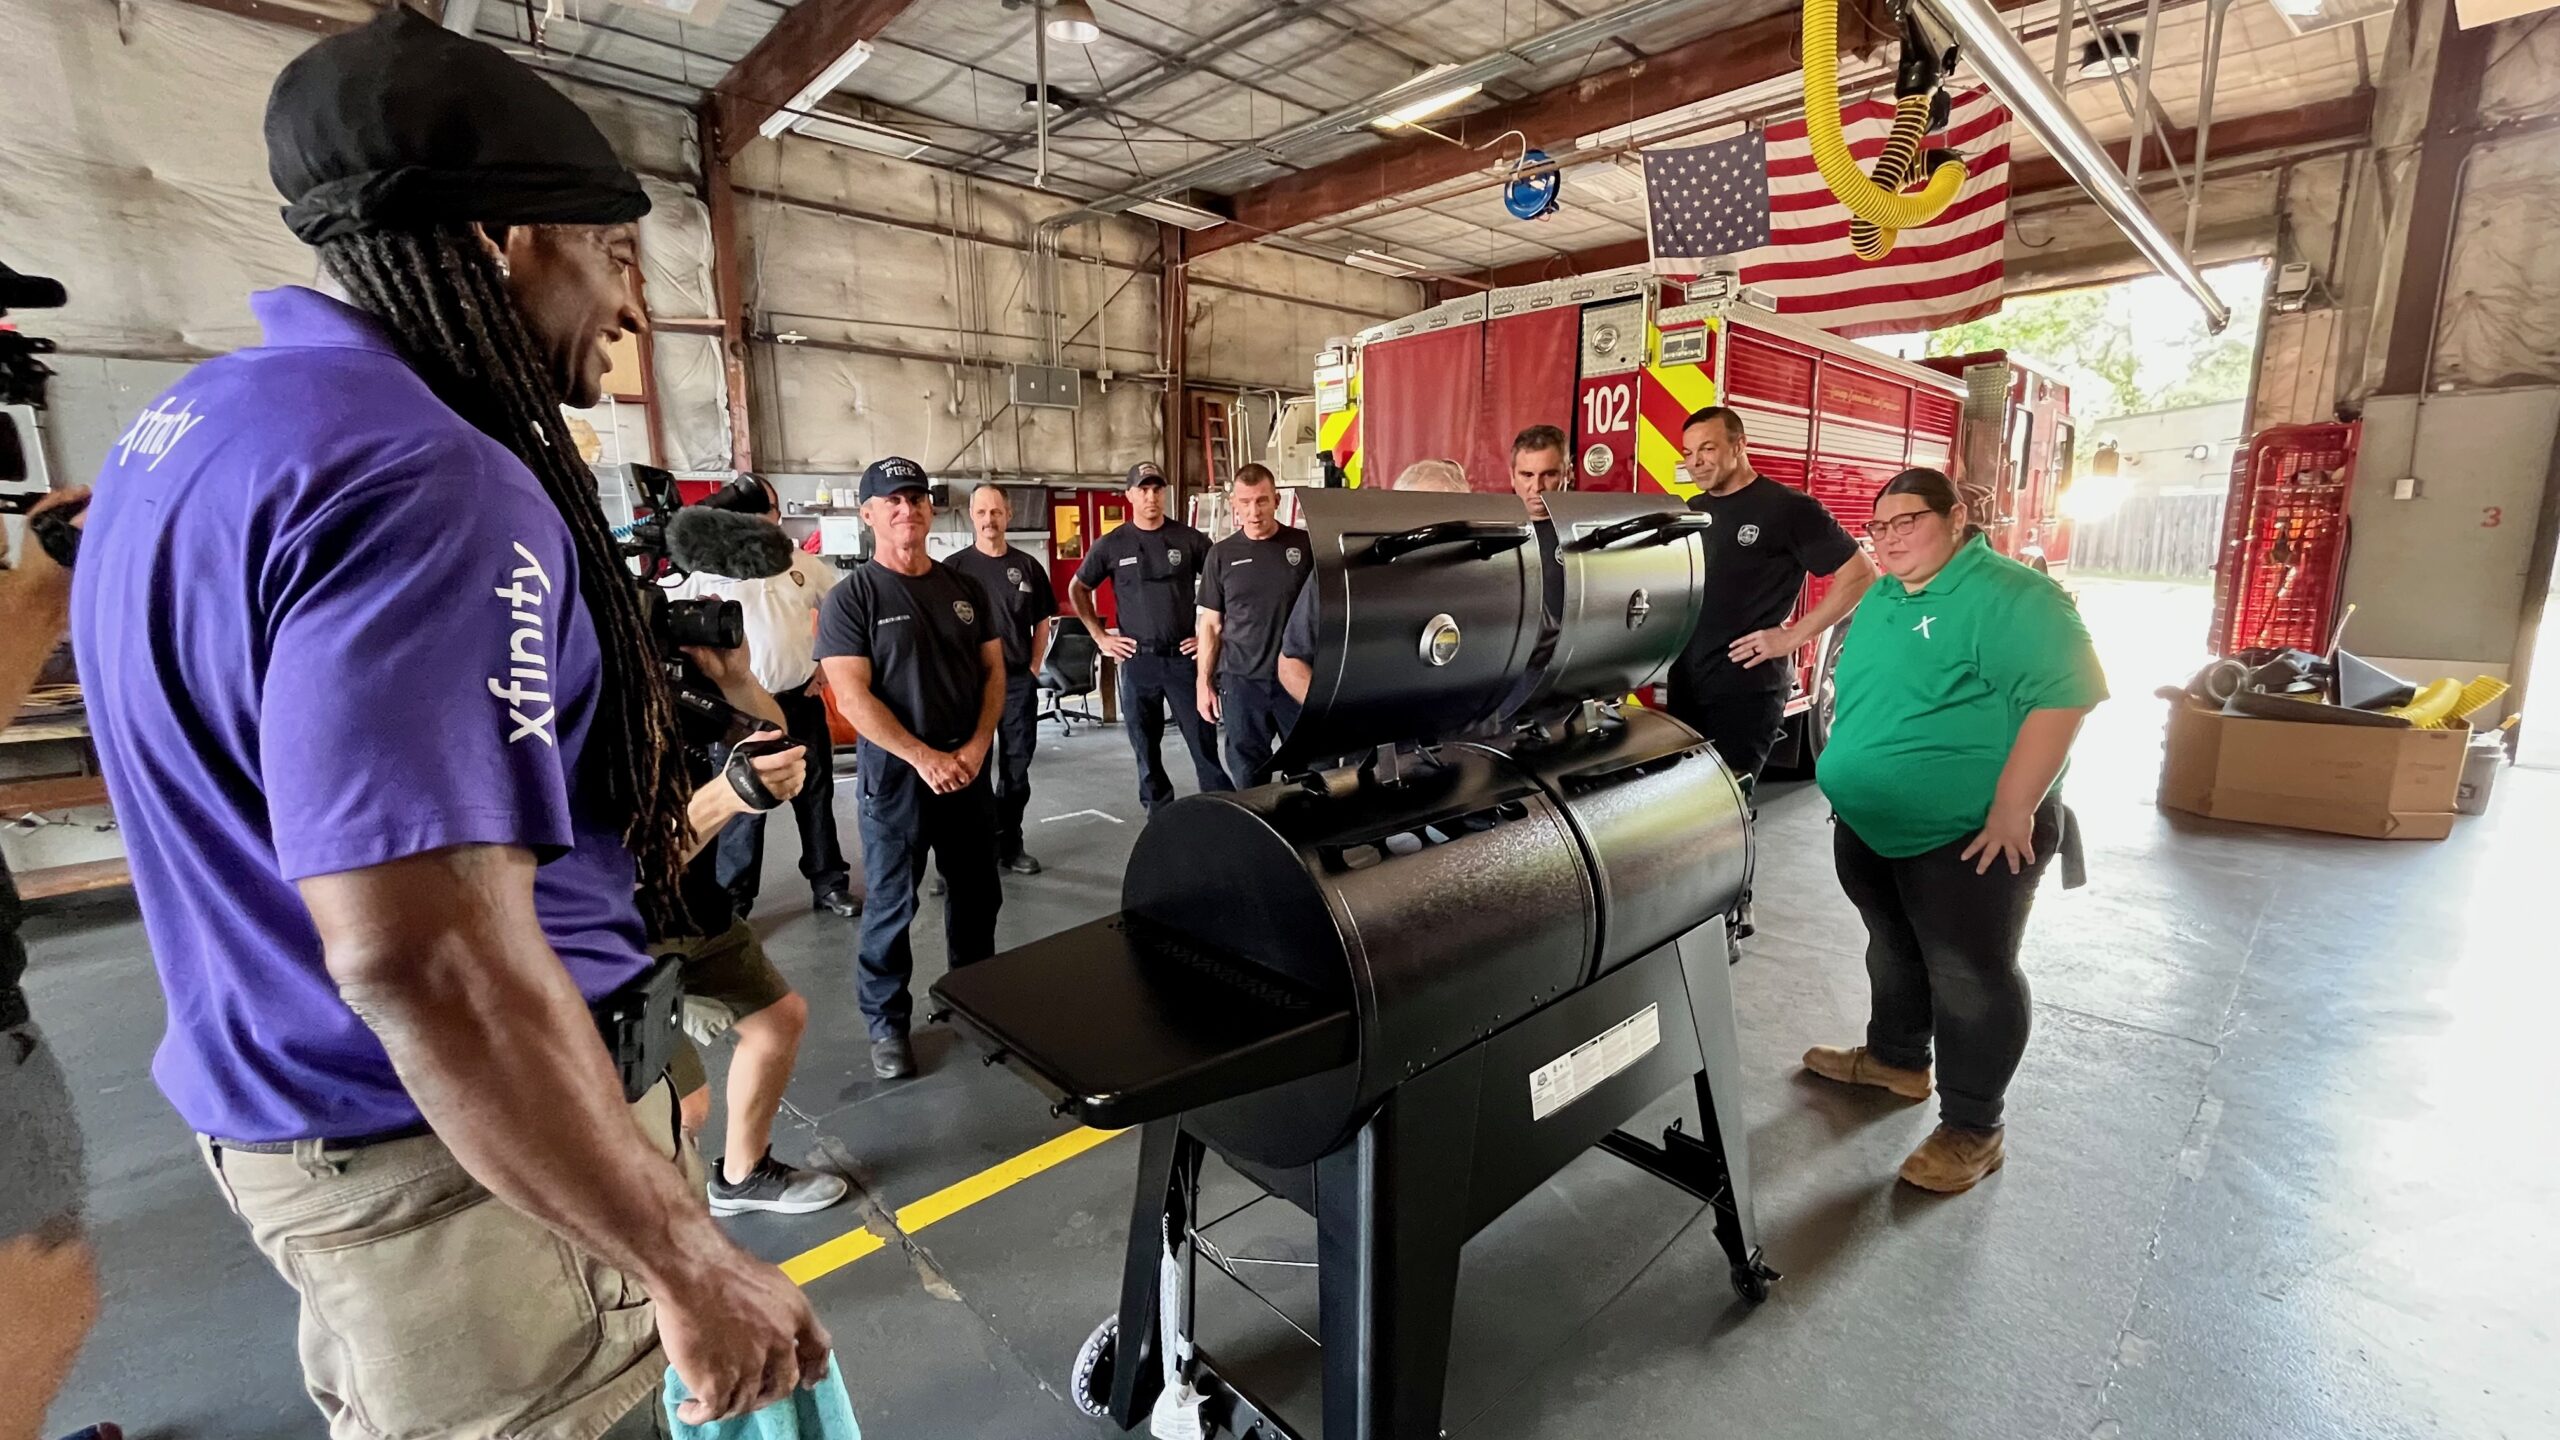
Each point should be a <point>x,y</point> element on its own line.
<point>431,1310</point>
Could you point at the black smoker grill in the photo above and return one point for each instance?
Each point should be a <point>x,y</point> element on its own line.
<point>1403,991</point>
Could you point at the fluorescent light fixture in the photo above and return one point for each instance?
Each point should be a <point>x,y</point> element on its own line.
<point>862,135</point>
<point>1174,212</point>
<point>2310,17</point>
<point>1071,22</point>
<point>1381,263</point>
<point>816,90</point>
<point>1429,105</point>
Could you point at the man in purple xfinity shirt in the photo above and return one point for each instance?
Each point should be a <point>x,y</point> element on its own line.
<point>376,705</point>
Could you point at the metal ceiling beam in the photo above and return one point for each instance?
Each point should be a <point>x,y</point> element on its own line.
<point>1526,54</point>
<point>808,38</point>
<point>2323,122</point>
<point>1711,65</point>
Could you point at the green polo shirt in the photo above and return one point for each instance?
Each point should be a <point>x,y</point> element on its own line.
<point>1933,685</point>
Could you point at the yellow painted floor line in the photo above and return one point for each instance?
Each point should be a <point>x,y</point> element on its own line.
<point>942,1204</point>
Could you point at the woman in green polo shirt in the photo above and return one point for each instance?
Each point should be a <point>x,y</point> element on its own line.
<point>1962,683</point>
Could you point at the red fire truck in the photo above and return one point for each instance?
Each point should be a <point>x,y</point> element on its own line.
<point>1620,359</point>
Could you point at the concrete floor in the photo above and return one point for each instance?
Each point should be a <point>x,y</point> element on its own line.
<point>2274,1171</point>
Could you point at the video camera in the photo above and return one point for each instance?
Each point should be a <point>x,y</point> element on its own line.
<point>23,479</point>
<point>673,624</point>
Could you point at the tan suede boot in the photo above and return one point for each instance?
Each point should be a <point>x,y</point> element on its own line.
<point>1952,1161</point>
<point>1852,1065</point>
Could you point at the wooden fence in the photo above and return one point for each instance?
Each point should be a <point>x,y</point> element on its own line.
<point>2173,536</point>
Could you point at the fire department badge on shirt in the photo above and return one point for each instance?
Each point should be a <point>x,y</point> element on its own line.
<point>967,612</point>
<point>799,579</point>
<point>1294,557</point>
<point>1176,558</point>
<point>1013,574</point>
<point>1748,535</point>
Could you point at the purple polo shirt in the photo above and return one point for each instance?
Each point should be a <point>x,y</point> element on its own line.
<point>323,623</point>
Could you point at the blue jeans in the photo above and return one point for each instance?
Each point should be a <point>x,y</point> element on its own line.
<point>902,820</point>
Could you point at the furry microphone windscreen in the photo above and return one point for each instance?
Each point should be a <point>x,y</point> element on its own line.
<point>717,542</point>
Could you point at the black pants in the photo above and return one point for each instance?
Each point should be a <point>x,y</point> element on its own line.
<point>1148,684</point>
<point>1256,716</point>
<point>1942,963</point>
<point>741,844</point>
<point>1017,736</point>
<point>903,820</point>
<point>1743,725</point>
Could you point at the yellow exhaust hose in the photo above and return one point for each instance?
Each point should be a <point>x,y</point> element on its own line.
<point>1880,205</point>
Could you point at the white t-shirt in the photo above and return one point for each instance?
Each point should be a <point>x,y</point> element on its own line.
<point>781,613</point>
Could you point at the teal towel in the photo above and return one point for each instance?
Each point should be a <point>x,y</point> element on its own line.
<point>821,1414</point>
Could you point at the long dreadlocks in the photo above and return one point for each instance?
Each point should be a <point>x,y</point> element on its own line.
<point>447,307</point>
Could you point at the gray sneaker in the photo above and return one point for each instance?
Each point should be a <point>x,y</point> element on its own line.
<point>778,1188</point>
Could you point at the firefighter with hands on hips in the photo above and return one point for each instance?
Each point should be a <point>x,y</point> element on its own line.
<point>1152,565</point>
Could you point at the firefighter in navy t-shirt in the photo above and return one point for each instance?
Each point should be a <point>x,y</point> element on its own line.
<point>910,647</point>
<point>1731,684</point>
<point>1152,565</point>
<point>1246,591</point>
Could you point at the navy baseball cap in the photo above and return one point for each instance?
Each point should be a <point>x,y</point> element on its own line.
<point>1145,472</point>
<point>895,475</point>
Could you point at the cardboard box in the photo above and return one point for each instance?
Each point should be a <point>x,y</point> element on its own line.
<point>2344,779</point>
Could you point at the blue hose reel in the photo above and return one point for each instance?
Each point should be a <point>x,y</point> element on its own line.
<point>1532,197</point>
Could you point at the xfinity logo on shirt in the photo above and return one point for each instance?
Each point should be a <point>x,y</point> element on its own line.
<point>156,432</point>
<point>528,666</point>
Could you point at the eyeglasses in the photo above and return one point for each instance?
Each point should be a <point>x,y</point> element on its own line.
<point>1897,525</point>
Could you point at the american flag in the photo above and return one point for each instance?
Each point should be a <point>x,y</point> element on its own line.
<point>1943,273</point>
<point>1706,200</point>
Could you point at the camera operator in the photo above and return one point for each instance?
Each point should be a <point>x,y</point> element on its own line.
<point>48,1273</point>
<point>730,985</point>
<point>781,618</point>
<point>382,722</point>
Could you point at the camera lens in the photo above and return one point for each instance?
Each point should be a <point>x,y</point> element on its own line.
<point>712,624</point>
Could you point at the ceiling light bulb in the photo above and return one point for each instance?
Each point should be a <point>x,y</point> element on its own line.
<point>1071,22</point>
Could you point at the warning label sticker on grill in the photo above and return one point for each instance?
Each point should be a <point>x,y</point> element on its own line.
<point>1571,1076</point>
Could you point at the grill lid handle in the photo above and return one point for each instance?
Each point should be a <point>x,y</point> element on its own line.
<point>1489,537</point>
<point>1645,530</point>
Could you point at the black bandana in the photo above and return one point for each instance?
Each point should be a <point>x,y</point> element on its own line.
<point>402,124</point>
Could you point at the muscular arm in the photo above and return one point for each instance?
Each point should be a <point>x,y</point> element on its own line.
<point>1205,642</point>
<point>1295,677</point>
<point>1080,595</point>
<point>1848,583</point>
<point>990,707</point>
<point>1041,635</point>
<point>442,956</point>
<point>849,677</point>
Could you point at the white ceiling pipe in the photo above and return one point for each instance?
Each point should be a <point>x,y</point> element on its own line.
<point>1994,55</point>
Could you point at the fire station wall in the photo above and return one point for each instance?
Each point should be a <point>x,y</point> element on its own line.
<point>1258,315</point>
<point>2440,580</point>
<point>132,168</point>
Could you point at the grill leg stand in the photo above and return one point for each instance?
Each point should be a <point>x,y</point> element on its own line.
<point>1722,1145</point>
<point>1168,1169</point>
<point>1391,1218</point>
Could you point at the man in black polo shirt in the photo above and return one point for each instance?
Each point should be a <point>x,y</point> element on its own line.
<point>1018,585</point>
<point>1152,565</point>
<point>910,648</point>
<point>1246,590</point>
<point>1731,684</point>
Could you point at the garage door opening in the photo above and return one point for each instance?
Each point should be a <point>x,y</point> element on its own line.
<point>2159,411</point>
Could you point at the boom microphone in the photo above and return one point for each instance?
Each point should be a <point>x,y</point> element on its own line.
<point>719,542</point>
